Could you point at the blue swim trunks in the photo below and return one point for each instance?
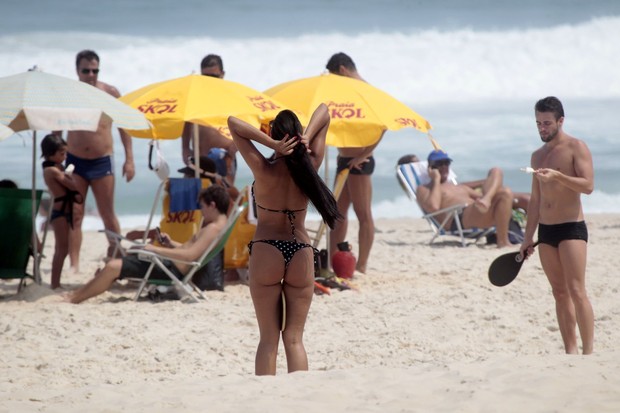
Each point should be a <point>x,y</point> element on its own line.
<point>91,169</point>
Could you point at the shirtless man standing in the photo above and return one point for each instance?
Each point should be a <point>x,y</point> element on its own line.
<point>211,142</point>
<point>91,154</point>
<point>492,207</point>
<point>563,171</point>
<point>357,190</point>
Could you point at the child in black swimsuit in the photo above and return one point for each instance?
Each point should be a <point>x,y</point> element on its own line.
<point>61,185</point>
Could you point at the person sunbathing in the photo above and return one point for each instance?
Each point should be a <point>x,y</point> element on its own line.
<point>521,199</point>
<point>214,203</point>
<point>490,207</point>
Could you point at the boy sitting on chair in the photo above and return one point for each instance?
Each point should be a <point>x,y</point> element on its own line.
<point>214,203</point>
<point>491,208</point>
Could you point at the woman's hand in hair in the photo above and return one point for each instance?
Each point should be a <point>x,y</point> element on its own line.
<point>305,140</point>
<point>286,145</point>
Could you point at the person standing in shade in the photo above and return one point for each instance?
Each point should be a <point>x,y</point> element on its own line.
<point>562,172</point>
<point>211,142</point>
<point>92,155</point>
<point>357,190</point>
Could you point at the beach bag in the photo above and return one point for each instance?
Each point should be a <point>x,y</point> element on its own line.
<point>236,253</point>
<point>515,233</point>
<point>211,276</point>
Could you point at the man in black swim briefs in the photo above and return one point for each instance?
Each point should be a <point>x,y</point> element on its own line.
<point>562,172</point>
<point>556,233</point>
<point>357,190</point>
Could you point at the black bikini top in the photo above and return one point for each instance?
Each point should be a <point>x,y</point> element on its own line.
<point>289,212</point>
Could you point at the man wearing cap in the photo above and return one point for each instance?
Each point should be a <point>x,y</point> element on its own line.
<point>492,207</point>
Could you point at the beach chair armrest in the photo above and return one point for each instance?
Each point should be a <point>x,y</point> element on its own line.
<point>118,237</point>
<point>150,256</point>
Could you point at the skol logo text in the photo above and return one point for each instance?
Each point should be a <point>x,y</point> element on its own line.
<point>182,217</point>
<point>159,106</point>
<point>407,122</point>
<point>344,111</point>
<point>263,104</point>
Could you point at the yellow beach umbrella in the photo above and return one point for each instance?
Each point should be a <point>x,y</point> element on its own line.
<point>359,111</point>
<point>198,99</point>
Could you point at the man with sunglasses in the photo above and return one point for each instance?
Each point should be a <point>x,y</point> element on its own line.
<point>92,155</point>
<point>211,142</point>
<point>492,207</point>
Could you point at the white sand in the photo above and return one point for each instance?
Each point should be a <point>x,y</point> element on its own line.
<point>426,332</point>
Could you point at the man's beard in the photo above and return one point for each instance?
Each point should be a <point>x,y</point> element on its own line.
<point>550,137</point>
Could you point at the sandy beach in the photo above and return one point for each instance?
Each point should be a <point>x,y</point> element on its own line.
<point>426,331</point>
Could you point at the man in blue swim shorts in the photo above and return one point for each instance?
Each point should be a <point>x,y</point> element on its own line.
<point>562,172</point>
<point>91,154</point>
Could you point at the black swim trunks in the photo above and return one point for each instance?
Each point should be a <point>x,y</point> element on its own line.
<point>133,267</point>
<point>91,169</point>
<point>367,167</point>
<point>554,234</point>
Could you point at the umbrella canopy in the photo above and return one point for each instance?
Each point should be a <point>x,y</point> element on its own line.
<point>36,100</point>
<point>198,99</point>
<point>359,111</point>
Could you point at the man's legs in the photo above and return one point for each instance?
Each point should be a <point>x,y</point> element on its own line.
<point>573,257</point>
<point>498,215</point>
<point>360,192</point>
<point>338,234</point>
<point>490,186</point>
<point>102,281</point>
<point>103,190</point>
<point>565,269</point>
<point>75,234</point>
<point>501,209</point>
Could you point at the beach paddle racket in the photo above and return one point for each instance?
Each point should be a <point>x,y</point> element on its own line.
<point>505,268</point>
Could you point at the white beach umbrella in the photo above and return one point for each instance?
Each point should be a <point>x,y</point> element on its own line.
<point>35,100</point>
<point>5,132</point>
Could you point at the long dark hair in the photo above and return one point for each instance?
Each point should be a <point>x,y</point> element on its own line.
<point>301,169</point>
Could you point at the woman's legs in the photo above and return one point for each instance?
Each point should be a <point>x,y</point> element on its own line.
<point>298,290</point>
<point>266,269</point>
<point>266,273</point>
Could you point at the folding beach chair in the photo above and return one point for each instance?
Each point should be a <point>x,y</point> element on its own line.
<point>185,284</point>
<point>180,225</point>
<point>410,176</point>
<point>16,241</point>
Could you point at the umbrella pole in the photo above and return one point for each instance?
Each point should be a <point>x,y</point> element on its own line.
<point>196,151</point>
<point>328,230</point>
<point>35,247</point>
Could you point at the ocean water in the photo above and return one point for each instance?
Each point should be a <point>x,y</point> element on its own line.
<point>473,68</point>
